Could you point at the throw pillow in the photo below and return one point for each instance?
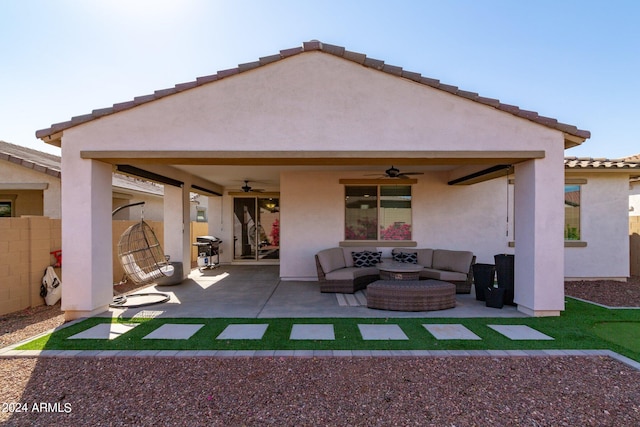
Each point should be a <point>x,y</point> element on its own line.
<point>411,258</point>
<point>405,257</point>
<point>375,257</point>
<point>366,258</point>
<point>361,259</point>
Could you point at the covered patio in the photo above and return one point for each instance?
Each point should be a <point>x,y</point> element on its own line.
<point>302,125</point>
<point>255,291</point>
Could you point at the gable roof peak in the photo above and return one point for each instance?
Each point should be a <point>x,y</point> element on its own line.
<point>573,135</point>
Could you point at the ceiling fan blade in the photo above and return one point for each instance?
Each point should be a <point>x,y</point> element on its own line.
<point>412,173</point>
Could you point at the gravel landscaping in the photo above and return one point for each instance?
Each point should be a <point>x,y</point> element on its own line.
<point>455,391</point>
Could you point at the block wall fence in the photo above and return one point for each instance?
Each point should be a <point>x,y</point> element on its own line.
<point>25,246</point>
<point>634,245</point>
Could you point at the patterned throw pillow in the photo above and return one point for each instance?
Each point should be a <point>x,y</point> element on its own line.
<point>360,259</point>
<point>405,257</point>
<point>366,258</point>
<point>376,257</point>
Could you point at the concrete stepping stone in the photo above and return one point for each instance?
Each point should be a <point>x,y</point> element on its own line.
<point>382,332</point>
<point>243,332</point>
<point>104,331</point>
<point>312,332</point>
<point>519,332</point>
<point>173,331</point>
<point>451,332</point>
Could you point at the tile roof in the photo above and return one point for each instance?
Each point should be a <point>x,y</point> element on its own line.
<point>50,164</point>
<point>310,46</point>
<point>610,164</point>
<point>33,159</point>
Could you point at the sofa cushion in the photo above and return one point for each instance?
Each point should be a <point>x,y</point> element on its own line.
<point>350,273</point>
<point>331,259</point>
<point>459,261</point>
<point>348,257</point>
<point>430,273</point>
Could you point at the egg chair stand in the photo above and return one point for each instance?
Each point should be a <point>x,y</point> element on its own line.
<point>143,262</point>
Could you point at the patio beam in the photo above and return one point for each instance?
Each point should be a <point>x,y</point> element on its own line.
<point>318,158</point>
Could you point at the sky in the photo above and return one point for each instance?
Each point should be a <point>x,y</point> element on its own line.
<point>577,61</point>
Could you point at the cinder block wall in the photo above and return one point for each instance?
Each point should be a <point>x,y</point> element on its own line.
<point>634,245</point>
<point>26,244</point>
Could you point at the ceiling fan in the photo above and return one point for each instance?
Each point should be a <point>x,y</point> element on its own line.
<point>248,189</point>
<point>394,172</point>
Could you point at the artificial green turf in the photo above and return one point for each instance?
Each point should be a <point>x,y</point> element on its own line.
<point>625,334</point>
<point>581,326</point>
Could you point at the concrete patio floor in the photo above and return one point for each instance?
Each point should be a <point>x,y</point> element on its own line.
<point>255,291</point>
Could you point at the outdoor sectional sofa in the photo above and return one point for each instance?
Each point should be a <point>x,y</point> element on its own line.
<point>446,265</point>
<point>337,272</point>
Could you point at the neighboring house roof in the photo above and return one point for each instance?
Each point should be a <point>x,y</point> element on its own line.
<point>32,159</point>
<point>634,158</point>
<point>573,135</point>
<point>50,164</point>
<point>608,164</point>
<point>135,184</point>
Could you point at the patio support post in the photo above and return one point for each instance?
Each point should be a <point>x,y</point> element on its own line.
<point>539,249</point>
<point>176,226</point>
<point>87,270</point>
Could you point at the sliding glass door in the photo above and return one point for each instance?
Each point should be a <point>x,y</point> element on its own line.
<point>256,227</point>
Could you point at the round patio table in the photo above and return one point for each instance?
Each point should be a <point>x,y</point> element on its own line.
<point>399,271</point>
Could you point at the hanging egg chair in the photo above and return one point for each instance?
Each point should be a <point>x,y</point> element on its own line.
<point>141,255</point>
<point>142,260</point>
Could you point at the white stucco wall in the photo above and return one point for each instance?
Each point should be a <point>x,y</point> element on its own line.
<point>604,228</point>
<point>446,217</point>
<point>304,98</point>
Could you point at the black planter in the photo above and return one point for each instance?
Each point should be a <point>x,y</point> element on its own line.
<point>505,272</point>
<point>494,297</point>
<point>483,275</point>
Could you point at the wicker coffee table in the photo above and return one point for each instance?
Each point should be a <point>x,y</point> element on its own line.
<point>414,295</point>
<point>399,271</point>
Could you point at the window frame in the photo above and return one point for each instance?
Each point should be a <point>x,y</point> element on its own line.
<point>378,184</point>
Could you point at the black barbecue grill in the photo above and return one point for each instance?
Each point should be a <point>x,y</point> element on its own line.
<point>208,251</point>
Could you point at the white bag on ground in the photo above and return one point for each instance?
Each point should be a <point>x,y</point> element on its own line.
<point>51,288</point>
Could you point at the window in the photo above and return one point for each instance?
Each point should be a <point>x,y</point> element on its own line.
<point>572,212</point>
<point>5,209</point>
<point>378,212</point>
<point>201,214</point>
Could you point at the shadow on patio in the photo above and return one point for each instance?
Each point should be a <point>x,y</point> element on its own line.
<point>255,291</point>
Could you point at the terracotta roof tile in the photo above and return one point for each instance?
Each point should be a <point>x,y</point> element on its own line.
<point>330,49</point>
<point>358,58</point>
<point>416,77</point>
<point>249,66</point>
<point>392,69</point>
<point>32,159</point>
<point>269,59</point>
<point>600,163</point>
<point>186,86</point>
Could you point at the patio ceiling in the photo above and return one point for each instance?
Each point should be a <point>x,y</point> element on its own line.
<point>230,169</point>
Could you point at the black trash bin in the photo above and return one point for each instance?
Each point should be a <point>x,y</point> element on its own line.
<point>483,275</point>
<point>495,297</point>
<point>505,273</point>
